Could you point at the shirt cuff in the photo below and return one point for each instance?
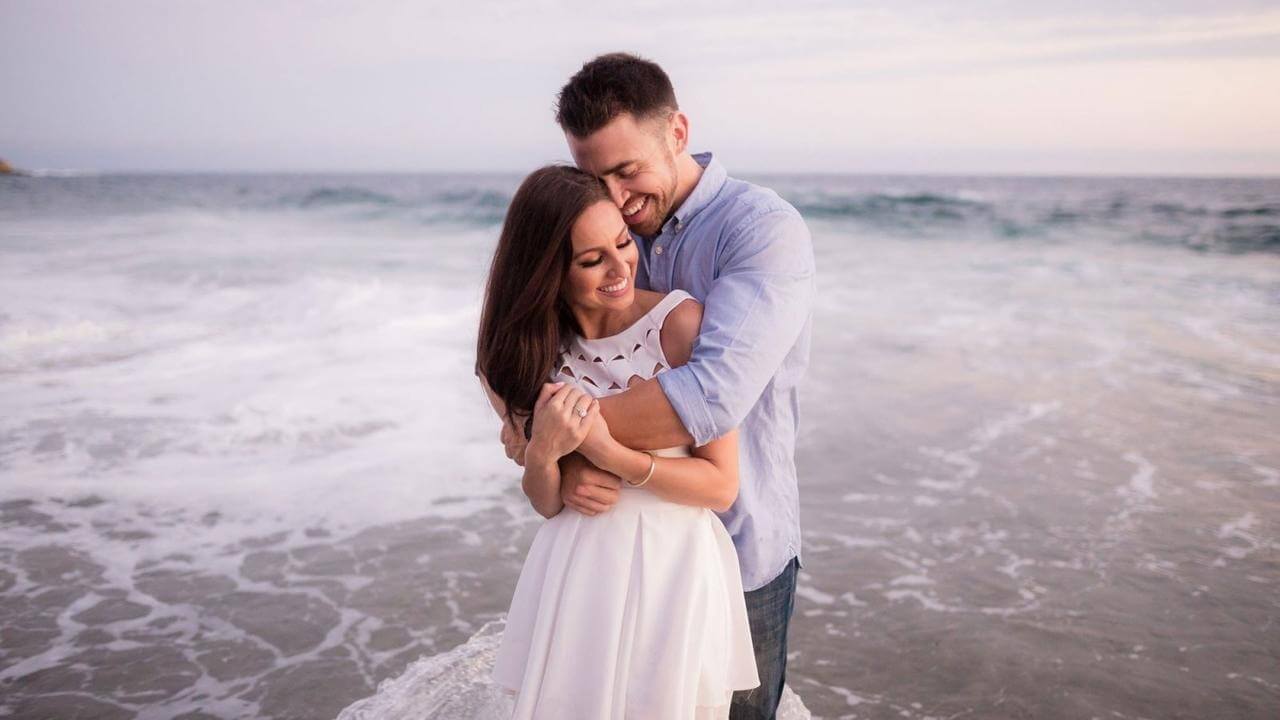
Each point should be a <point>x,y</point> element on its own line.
<point>690,403</point>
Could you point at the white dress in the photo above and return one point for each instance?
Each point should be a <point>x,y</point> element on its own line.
<point>637,612</point>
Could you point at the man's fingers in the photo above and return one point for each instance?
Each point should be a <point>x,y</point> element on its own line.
<point>603,480</point>
<point>573,502</point>
<point>605,495</point>
<point>511,442</point>
<point>587,507</point>
<point>596,494</point>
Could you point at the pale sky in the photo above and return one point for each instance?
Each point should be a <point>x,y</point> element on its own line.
<point>387,85</point>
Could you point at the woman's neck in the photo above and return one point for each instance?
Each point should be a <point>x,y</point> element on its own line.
<point>603,322</point>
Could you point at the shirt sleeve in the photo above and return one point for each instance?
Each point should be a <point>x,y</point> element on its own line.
<point>758,305</point>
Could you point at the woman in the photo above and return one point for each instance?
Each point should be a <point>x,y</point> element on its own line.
<point>637,612</point>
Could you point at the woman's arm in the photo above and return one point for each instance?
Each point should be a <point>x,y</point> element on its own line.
<point>541,482</point>
<point>708,479</point>
<point>512,434</point>
<point>555,434</point>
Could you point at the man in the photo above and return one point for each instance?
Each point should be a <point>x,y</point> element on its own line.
<point>746,255</point>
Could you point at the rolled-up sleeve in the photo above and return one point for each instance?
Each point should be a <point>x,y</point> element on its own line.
<point>758,304</point>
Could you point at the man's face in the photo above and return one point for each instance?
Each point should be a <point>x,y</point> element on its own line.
<point>636,161</point>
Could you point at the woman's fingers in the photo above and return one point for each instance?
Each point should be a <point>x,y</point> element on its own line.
<point>573,400</point>
<point>582,421</point>
<point>557,398</point>
<point>558,414</point>
<point>547,391</point>
<point>582,406</point>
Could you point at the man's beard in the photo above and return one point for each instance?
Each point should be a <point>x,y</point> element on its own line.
<point>660,206</point>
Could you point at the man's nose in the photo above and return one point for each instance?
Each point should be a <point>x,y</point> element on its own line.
<point>616,192</point>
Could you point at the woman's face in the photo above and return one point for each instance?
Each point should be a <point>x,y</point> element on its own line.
<point>602,270</point>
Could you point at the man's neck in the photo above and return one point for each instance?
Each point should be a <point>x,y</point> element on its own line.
<point>688,173</point>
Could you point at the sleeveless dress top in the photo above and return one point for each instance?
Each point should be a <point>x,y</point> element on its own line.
<point>635,613</point>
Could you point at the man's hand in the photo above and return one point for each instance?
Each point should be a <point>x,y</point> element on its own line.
<point>513,441</point>
<point>512,435</point>
<point>585,487</point>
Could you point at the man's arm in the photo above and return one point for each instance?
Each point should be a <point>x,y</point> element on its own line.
<point>756,309</point>
<point>642,418</point>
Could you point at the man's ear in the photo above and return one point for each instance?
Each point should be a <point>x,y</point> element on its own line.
<point>679,132</point>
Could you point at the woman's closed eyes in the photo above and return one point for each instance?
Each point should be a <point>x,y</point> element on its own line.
<point>600,258</point>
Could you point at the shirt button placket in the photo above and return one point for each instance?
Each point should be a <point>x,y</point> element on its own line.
<point>657,251</point>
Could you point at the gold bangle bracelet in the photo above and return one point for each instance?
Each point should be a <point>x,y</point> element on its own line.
<point>653,464</point>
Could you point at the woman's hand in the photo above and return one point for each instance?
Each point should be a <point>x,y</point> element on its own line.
<point>558,426</point>
<point>599,442</point>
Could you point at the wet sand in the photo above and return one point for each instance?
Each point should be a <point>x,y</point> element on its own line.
<point>298,624</point>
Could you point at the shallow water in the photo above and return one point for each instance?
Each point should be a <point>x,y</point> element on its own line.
<point>245,471</point>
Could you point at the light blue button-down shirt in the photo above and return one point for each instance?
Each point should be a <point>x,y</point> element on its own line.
<point>746,255</point>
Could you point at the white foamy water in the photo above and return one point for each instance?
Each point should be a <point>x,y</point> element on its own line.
<point>185,389</point>
<point>456,685</point>
<point>255,369</point>
<point>245,469</point>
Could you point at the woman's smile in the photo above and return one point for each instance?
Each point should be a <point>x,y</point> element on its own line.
<point>617,289</point>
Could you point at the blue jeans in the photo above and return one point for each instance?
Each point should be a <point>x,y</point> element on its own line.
<point>769,611</point>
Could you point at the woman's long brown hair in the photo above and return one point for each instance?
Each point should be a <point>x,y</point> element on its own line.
<point>525,322</point>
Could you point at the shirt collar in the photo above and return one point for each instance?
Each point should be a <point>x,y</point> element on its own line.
<point>709,185</point>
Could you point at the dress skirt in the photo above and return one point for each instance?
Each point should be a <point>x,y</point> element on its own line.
<point>632,614</point>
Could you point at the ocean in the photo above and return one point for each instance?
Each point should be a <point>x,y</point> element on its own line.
<point>246,471</point>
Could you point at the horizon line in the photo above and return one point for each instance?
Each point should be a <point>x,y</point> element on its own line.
<point>1046,174</point>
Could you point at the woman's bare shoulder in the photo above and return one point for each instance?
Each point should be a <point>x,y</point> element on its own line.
<point>647,299</point>
<point>679,330</point>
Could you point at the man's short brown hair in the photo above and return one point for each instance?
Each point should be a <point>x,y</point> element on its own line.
<point>611,85</point>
